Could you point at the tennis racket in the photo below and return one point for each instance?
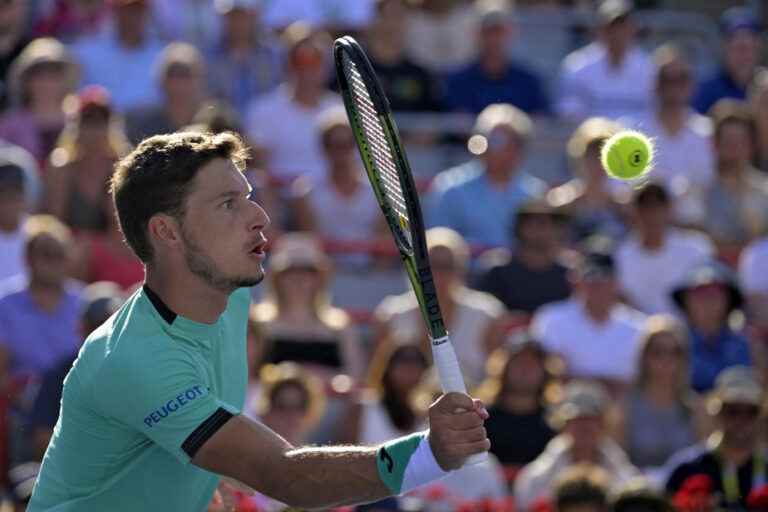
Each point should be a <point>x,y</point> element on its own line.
<point>390,176</point>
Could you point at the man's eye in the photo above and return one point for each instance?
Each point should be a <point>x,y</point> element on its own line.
<point>229,204</point>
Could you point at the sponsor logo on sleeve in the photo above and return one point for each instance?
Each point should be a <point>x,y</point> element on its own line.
<point>173,405</point>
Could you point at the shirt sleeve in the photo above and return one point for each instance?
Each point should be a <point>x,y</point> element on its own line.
<point>167,397</point>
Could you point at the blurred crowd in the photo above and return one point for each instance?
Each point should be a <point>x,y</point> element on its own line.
<point>616,330</point>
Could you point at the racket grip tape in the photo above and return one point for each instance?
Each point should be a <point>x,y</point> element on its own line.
<point>451,378</point>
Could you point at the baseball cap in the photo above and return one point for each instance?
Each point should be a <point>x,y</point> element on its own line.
<point>580,399</point>
<point>739,18</point>
<point>611,10</point>
<point>493,13</point>
<point>596,258</point>
<point>226,6</point>
<point>736,385</point>
<point>298,250</point>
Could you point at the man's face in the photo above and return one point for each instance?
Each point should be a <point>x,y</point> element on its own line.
<point>132,18</point>
<point>494,39</point>
<point>49,260</point>
<point>240,24</point>
<point>222,228</point>
<point>675,83</point>
<point>619,34</point>
<point>742,53</point>
<point>740,423</point>
<point>734,144</point>
<point>586,432</point>
<point>525,372</point>
<point>184,83</point>
<point>653,214</point>
<point>13,206</point>
<point>504,149</point>
<point>309,65</point>
<point>538,231</point>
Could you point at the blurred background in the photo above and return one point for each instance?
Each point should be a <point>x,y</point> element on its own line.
<point>616,330</point>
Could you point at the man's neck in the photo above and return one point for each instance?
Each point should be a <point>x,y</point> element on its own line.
<point>46,297</point>
<point>535,258</point>
<point>672,118</point>
<point>520,403</point>
<point>131,41</point>
<point>308,96</point>
<point>493,66</point>
<point>180,113</point>
<point>499,176</point>
<point>345,182</point>
<point>616,57</point>
<point>651,239</point>
<point>598,315</point>
<point>187,295</point>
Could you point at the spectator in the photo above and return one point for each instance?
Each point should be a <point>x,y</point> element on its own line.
<point>290,148</point>
<point>639,496</point>
<point>81,164</point>
<point>596,336</point>
<point>100,301</point>
<point>661,398</point>
<point>611,76</point>
<point>191,21</point>
<point>479,198</point>
<point>707,297</point>
<point>515,393</point>
<point>296,322</point>
<point>531,274</point>
<point>432,34</point>
<point>758,102</point>
<point>737,203</point>
<point>343,193</point>
<point>15,183</point>
<point>39,80</point>
<point>580,419</point>
<point>656,256</point>
<point>732,459</point>
<point>493,77</point>
<point>389,406</point>
<point>181,77</point>
<point>741,55</point>
<point>754,281</point>
<point>408,86</point>
<point>130,44</point>
<point>13,40</point>
<point>582,488</point>
<point>38,316</point>
<point>683,160</point>
<point>593,202</point>
<point>244,62</point>
<point>67,19</point>
<point>473,318</point>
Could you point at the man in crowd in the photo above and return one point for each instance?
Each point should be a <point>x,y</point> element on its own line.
<point>18,181</point>
<point>742,47</point>
<point>530,274</point>
<point>493,77</point>
<point>656,256</point>
<point>610,77</point>
<point>480,198</point>
<point>596,336</point>
<point>732,458</point>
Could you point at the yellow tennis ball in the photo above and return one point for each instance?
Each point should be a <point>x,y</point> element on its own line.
<point>627,155</point>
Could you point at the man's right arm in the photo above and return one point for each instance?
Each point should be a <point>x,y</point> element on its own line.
<point>329,476</point>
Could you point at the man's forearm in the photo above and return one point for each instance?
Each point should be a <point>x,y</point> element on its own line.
<point>329,476</point>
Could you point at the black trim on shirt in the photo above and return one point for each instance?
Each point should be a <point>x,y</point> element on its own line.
<point>165,312</point>
<point>205,431</point>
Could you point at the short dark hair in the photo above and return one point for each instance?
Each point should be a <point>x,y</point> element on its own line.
<point>582,485</point>
<point>155,178</point>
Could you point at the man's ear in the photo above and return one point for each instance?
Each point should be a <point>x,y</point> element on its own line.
<point>164,230</point>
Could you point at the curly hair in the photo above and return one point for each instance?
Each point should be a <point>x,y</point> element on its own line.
<point>157,175</point>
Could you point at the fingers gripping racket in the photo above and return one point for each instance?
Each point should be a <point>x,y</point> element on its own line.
<point>390,176</point>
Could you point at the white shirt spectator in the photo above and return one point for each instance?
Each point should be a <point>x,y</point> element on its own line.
<point>340,13</point>
<point>589,349</point>
<point>591,87</point>
<point>683,163</point>
<point>288,131</point>
<point>753,267</point>
<point>431,40</point>
<point>473,317</point>
<point>647,277</point>
<point>127,73</point>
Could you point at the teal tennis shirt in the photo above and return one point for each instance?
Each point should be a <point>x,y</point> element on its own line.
<point>148,388</point>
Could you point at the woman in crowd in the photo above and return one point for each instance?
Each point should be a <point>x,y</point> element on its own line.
<point>517,380</point>
<point>661,399</point>
<point>473,318</point>
<point>39,80</point>
<point>296,322</point>
<point>80,166</point>
<point>708,298</point>
<point>594,203</point>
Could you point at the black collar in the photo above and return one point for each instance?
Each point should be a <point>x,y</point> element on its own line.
<point>164,311</point>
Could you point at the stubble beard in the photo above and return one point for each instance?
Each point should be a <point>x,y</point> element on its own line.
<point>202,266</point>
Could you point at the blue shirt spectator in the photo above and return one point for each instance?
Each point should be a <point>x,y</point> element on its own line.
<point>122,60</point>
<point>741,56</point>
<point>707,296</point>
<point>466,200</point>
<point>493,78</point>
<point>473,89</point>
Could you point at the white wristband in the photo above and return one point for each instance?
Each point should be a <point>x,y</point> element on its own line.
<point>422,467</point>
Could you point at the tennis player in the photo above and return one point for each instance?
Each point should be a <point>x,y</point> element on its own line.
<point>150,412</point>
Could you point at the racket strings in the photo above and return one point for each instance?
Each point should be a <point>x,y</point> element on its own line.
<point>377,141</point>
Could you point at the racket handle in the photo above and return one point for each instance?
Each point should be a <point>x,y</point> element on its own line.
<point>451,379</point>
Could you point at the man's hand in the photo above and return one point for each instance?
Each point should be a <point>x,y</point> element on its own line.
<point>456,429</point>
